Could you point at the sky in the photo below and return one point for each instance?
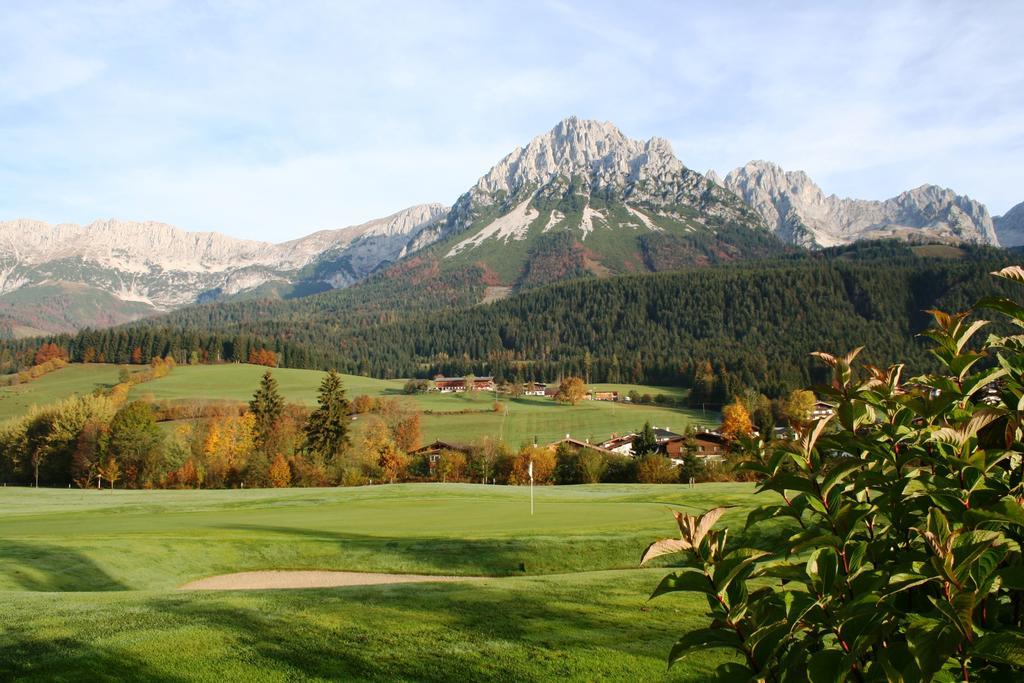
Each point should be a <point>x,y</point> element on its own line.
<point>272,120</point>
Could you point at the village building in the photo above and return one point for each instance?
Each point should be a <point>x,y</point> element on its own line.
<point>822,410</point>
<point>604,395</point>
<point>433,451</point>
<point>449,385</point>
<point>534,389</point>
<point>710,446</point>
<point>624,444</point>
<point>576,445</point>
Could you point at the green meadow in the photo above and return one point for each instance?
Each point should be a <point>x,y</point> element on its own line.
<point>89,583</point>
<point>451,417</point>
<point>73,379</point>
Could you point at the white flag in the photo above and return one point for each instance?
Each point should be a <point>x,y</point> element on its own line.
<point>530,470</point>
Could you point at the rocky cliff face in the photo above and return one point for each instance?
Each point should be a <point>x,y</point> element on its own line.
<point>800,213</point>
<point>1010,227</point>
<point>162,267</point>
<point>587,180</point>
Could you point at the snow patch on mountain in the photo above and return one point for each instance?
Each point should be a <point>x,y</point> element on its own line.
<point>513,225</point>
<point>644,218</point>
<point>587,222</point>
<point>165,267</point>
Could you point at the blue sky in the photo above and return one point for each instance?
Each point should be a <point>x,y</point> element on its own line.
<point>271,120</point>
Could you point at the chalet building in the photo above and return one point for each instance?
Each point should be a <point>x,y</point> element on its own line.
<point>710,446</point>
<point>450,385</point>
<point>604,396</point>
<point>624,444</point>
<point>822,410</point>
<point>433,451</point>
<point>534,389</point>
<point>576,445</point>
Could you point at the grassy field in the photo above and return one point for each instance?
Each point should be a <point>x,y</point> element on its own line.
<point>88,583</point>
<point>74,379</point>
<point>453,417</point>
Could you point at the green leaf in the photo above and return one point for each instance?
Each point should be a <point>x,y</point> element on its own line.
<point>731,672</point>
<point>704,639</point>
<point>687,580</point>
<point>1006,647</point>
<point>765,641</point>
<point>931,643</point>
<point>1006,510</point>
<point>732,565</point>
<point>765,512</point>
<point>823,568</point>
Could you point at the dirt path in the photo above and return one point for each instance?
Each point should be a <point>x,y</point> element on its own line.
<point>269,580</point>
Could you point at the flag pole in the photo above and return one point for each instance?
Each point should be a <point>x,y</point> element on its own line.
<point>531,488</point>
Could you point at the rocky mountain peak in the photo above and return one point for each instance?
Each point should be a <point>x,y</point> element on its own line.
<point>576,146</point>
<point>800,213</point>
<point>1010,226</point>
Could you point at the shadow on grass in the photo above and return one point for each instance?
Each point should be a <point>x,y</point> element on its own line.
<point>458,556</point>
<point>530,555</point>
<point>600,628</point>
<point>444,632</point>
<point>26,655</point>
<point>48,568</point>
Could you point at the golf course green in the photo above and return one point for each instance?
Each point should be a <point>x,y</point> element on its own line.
<point>90,583</point>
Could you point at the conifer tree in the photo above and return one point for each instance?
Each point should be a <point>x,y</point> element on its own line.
<point>266,405</point>
<point>327,426</point>
<point>645,442</point>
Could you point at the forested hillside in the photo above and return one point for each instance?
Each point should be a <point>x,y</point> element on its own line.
<point>717,329</point>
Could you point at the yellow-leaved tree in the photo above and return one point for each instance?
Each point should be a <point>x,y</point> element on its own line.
<point>736,421</point>
<point>280,472</point>
<point>571,390</point>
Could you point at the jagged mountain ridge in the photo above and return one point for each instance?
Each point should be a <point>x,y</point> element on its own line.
<point>164,266</point>
<point>1010,226</point>
<point>582,199</point>
<point>590,200</point>
<point>800,213</point>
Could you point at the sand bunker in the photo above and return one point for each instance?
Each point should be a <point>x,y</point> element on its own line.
<point>270,580</point>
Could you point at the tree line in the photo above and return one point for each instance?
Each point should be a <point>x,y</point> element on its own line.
<point>717,329</point>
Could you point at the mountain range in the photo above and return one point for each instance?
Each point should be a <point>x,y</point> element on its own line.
<point>582,199</point>
<point>800,213</point>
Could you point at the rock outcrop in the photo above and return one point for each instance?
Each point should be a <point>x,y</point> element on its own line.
<point>164,267</point>
<point>800,213</point>
<point>1010,227</point>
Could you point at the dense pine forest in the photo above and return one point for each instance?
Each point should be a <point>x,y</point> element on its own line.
<point>747,324</point>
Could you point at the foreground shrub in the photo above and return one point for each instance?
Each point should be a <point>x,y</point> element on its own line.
<point>905,558</point>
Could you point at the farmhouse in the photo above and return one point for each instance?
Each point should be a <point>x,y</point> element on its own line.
<point>433,451</point>
<point>449,385</point>
<point>604,396</point>
<point>624,444</point>
<point>576,445</point>
<point>534,389</point>
<point>707,445</point>
<point>822,410</point>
